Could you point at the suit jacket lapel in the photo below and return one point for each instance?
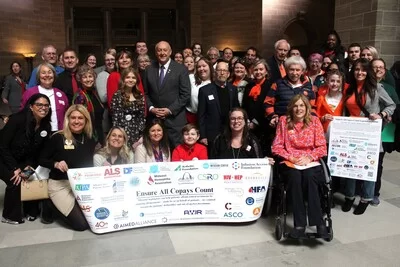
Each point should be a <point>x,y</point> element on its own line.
<point>167,74</point>
<point>216,97</point>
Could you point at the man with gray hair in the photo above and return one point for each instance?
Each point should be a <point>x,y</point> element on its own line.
<point>49,55</point>
<point>276,62</point>
<point>213,55</point>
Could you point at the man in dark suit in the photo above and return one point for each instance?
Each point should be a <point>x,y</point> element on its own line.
<point>215,101</point>
<point>354,52</point>
<point>276,62</point>
<point>67,81</point>
<point>167,88</point>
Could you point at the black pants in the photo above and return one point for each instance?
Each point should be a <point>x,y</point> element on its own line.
<point>12,198</point>
<point>304,185</point>
<point>378,182</point>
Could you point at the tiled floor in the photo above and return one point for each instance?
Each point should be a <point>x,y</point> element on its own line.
<point>369,240</point>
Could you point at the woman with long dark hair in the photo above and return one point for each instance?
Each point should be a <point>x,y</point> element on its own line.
<point>364,98</point>
<point>127,107</point>
<point>155,147</point>
<point>21,141</point>
<point>236,142</point>
<point>14,87</point>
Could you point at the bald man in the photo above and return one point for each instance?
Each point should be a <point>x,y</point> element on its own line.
<point>167,90</point>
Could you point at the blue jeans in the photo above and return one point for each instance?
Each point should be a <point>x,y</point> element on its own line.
<point>367,189</point>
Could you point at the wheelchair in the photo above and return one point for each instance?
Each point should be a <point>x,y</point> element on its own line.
<point>281,228</point>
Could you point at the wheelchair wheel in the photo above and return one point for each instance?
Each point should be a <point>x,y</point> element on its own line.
<point>278,229</point>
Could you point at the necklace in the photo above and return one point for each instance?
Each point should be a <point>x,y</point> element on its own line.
<point>82,141</point>
<point>235,156</point>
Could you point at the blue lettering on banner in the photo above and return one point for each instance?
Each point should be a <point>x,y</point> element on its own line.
<point>233,214</point>
<point>102,213</point>
<point>82,187</point>
<point>128,170</point>
<point>249,201</point>
<point>192,212</point>
<point>256,189</point>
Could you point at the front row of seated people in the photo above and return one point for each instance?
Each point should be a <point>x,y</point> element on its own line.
<point>299,140</point>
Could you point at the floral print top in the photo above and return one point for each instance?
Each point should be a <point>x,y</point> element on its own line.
<point>130,117</point>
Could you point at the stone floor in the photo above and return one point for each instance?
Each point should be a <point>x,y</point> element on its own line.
<point>369,240</point>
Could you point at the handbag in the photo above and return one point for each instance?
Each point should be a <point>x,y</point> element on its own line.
<point>35,189</point>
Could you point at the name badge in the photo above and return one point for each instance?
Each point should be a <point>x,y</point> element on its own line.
<point>68,145</point>
<point>211,97</point>
<point>248,148</point>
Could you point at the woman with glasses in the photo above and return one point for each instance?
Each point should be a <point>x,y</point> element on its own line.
<point>370,53</point>
<point>21,141</point>
<point>45,76</point>
<point>101,80</point>
<point>236,142</point>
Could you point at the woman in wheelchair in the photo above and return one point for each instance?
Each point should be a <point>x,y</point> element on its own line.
<point>300,141</point>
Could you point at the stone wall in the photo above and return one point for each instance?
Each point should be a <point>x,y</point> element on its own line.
<point>370,22</point>
<point>26,26</point>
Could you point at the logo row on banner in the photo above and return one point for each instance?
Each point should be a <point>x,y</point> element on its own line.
<point>138,195</point>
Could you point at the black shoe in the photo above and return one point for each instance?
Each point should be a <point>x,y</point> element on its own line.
<point>46,215</point>
<point>360,209</point>
<point>322,231</point>
<point>298,232</point>
<point>30,218</point>
<point>5,220</point>
<point>347,204</point>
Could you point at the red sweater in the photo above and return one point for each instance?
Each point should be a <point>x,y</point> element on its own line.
<point>184,153</point>
<point>112,85</point>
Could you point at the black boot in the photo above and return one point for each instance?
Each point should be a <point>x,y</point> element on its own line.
<point>347,204</point>
<point>362,206</point>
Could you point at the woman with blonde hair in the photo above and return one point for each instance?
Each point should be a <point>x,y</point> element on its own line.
<point>73,147</point>
<point>115,151</point>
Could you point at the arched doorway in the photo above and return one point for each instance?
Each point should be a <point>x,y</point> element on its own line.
<point>299,34</point>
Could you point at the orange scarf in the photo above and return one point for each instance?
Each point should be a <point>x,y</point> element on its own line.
<point>256,90</point>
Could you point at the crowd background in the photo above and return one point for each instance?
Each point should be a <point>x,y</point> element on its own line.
<point>136,107</point>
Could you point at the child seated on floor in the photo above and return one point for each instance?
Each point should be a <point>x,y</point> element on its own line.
<point>190,149</point>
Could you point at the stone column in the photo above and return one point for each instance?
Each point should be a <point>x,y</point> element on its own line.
<point>370,22</point>
<point>144,22</point>
<point>107,28</point>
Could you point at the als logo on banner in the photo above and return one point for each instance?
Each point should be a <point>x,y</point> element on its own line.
<point>257,189</point>
<point>102,213</point>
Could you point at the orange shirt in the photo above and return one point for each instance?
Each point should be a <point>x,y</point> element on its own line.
<point>351,103</point>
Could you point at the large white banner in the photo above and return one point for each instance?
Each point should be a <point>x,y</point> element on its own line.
<point>354,148</point>
<point>138,195</point>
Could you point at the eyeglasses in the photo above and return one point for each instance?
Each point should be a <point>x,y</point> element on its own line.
<point>110,60</point>
<point>222,71</point>
<point>40,105</point>
<point>236,119</point>
<point>378,68</point>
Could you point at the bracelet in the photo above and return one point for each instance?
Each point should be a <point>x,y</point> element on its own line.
<point>380,115</point>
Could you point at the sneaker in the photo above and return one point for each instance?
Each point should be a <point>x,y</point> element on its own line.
<point>4,220</point>
<point>360,209</point>
<point>31,218</point>
<point>347,204</point>
<point>375,201</point>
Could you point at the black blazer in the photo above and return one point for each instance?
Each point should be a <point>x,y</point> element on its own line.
<point>209,110</point>
<point>174,94</point>
<point>19,149</point>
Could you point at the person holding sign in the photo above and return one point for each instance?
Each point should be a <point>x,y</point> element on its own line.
<point>236,142</point>
<point>116,150</point>
<point>190,149</point>
<point>300,143</point>
<point>364,98</point>
<point>155,147</point>
<point>73,147</point>
<point>21,140</point>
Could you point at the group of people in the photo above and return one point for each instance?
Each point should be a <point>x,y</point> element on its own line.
<point>189,107</point>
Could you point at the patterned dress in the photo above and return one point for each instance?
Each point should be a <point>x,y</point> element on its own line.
<point>130,117</point>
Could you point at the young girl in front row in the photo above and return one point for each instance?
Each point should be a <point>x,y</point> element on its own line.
<point>190,149</point>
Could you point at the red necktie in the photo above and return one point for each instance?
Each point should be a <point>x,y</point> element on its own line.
<point>75,87</point>
<point>282,70</point>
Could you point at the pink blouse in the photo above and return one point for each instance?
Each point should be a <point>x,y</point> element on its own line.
<point>300,142</point>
